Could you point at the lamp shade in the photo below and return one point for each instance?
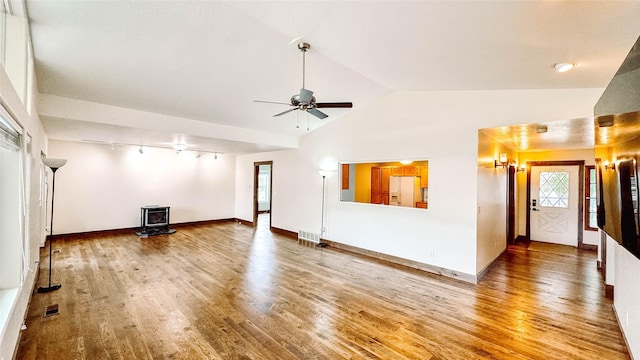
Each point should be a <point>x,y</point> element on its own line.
<point>54,163</point>
<point>325,173</point>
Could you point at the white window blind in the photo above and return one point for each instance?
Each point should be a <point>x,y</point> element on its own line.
<point>9,135</point>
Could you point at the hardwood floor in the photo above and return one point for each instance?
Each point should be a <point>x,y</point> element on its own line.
<point>228,291</point>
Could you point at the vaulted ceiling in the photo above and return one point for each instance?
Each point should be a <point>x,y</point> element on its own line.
<point>157,72</point>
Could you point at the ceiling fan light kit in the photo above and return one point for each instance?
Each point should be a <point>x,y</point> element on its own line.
<point>305,101</point>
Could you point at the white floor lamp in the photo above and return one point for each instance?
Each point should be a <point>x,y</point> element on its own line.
<point>53,164</point>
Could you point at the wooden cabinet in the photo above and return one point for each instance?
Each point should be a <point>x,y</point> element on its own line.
<point>376,185</point>
<point>345,177</point>
<point>380,185</point>
<point>410,171</point>
<point>424,176</point>
<point>386,173</point>
<point>404,171</point>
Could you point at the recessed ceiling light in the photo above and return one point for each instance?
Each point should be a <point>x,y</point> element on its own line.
<point>563,67</point>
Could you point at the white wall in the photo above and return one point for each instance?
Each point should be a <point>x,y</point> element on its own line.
<point>100,188</point>
<point>18,103</point>
<point>492,201</point>
<point>441,127</point>
<point>626,293</point>
<point>16,54</point>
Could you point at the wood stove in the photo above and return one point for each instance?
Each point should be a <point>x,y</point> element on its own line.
<point>154,220</point>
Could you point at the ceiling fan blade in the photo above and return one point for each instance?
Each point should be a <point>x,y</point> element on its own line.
<point>305,96</point>
<point>317,113</point>
<point>271,102</point>
<point>284,112</point>
<point>334,105</point>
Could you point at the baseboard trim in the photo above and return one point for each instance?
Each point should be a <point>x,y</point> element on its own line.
<point>589,247</point>
<point>121,231</point>
<point>488,268</point>
<point>608,291</point>
<point>520,238</point>
<point>202,222</point>
<point>243,222</point>
<point>287,233</point>
<point>404,262</point>
<point>624,336</point>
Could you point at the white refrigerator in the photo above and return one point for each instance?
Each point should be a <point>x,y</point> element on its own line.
<point>404,190</point>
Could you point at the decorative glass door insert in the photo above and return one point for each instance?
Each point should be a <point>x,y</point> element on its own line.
<point>554,189</point>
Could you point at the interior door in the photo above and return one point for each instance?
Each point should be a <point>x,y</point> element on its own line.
<point>554,204</point>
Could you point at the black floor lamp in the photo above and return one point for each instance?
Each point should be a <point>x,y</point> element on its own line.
<point>53,164</point>
<point>324,174</point>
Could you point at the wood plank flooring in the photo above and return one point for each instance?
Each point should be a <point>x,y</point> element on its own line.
<point>228,291</point>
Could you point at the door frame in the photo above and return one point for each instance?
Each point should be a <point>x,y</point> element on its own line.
<point>511,205</point>
<point>580,164</point>
<point>256,172</point>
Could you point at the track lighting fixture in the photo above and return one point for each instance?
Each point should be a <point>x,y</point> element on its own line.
<point>179,147</point>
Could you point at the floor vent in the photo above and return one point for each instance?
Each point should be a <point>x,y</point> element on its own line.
<point>51,310</point>
<point>307,236</point>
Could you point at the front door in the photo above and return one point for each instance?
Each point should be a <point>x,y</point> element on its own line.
<point>554,204</point>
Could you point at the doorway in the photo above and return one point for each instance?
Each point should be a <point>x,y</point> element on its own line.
<point>555,204</point>
<point>262,199</point>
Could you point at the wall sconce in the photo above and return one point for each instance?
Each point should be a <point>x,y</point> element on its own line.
<point>609,166</point>
<point>503,161</point>
<point>522,168</point>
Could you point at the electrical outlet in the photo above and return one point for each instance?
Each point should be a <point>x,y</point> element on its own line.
<point>431,254</point>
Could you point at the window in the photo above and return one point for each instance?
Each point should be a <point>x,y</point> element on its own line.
<point>12,214</point>
<point>591,200</point>
<point>554,189</point>
<point>263,187</point>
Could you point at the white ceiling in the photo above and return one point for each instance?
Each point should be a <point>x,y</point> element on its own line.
<point>208,60</point>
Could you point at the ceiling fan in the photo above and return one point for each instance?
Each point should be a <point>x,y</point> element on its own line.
<point>305,101</point>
